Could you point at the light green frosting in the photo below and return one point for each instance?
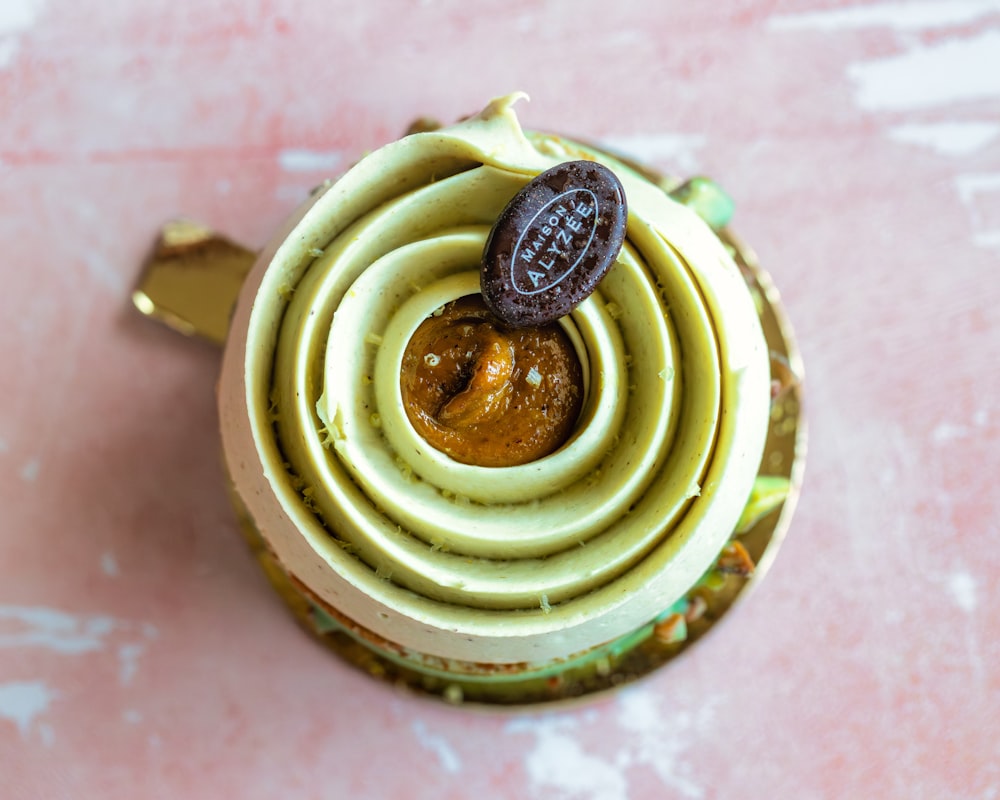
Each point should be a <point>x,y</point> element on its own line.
<point>503,565</point>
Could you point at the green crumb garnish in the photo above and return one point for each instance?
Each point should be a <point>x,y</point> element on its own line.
<point>348,547</point>
<point>707,199</point>
<point>671,630</point>
<point>769,492</point>
<point>325,437</point>
<point>323,622</point>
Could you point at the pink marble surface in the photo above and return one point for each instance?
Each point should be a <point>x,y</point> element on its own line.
<point>141,653</point>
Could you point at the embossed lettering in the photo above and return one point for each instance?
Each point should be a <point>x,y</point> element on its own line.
<point>553,242</point>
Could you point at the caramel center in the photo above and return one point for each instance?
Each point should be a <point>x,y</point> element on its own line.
<point>487,394</point>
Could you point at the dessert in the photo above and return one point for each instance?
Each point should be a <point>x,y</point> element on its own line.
<point>442,560</point>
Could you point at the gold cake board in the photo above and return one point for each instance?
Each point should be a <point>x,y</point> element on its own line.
<point>191,283</point>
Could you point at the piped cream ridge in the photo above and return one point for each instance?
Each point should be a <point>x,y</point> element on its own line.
<point>500,565</point>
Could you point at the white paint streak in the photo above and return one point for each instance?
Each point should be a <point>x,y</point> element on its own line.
<point>646,736</point>
<point>109,565</point>
<point>16,17</point>
<point>948,432</point>
<point>962,587</point>
<point>309,160</point>
<point>103,272</point>
<point>980,194</point>
<point>947,138</point>
<point>30,470</point>
<point>676,149</point>
<point>66,634</point>
<point>559,766</point>
<point>971,187</point>
<point>910,16</point>
<point>954,71</point>
<point>660,739</point>
<point>46,734</point>
<point>8,49</point>
<point>447,757</point>
<point>53,630</point>
<point>988,240</point>
<point>128,662</point>
<point>22,701</point>
<point>942,73</point>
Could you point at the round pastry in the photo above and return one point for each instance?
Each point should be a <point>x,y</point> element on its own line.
<point>481,507</point>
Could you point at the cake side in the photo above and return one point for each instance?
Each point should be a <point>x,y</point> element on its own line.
<point>679,374</point>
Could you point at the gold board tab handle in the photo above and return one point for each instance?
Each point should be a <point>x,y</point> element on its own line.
<point>192,279</point>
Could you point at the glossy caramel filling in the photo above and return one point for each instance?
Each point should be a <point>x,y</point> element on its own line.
<point>487,394</point>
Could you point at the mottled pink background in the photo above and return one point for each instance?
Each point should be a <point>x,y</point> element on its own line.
<point>141,653</point>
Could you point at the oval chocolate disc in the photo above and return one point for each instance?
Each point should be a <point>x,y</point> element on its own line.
<point>553,243</point>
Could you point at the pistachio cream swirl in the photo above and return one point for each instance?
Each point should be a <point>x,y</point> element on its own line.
<point>504,565</point>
